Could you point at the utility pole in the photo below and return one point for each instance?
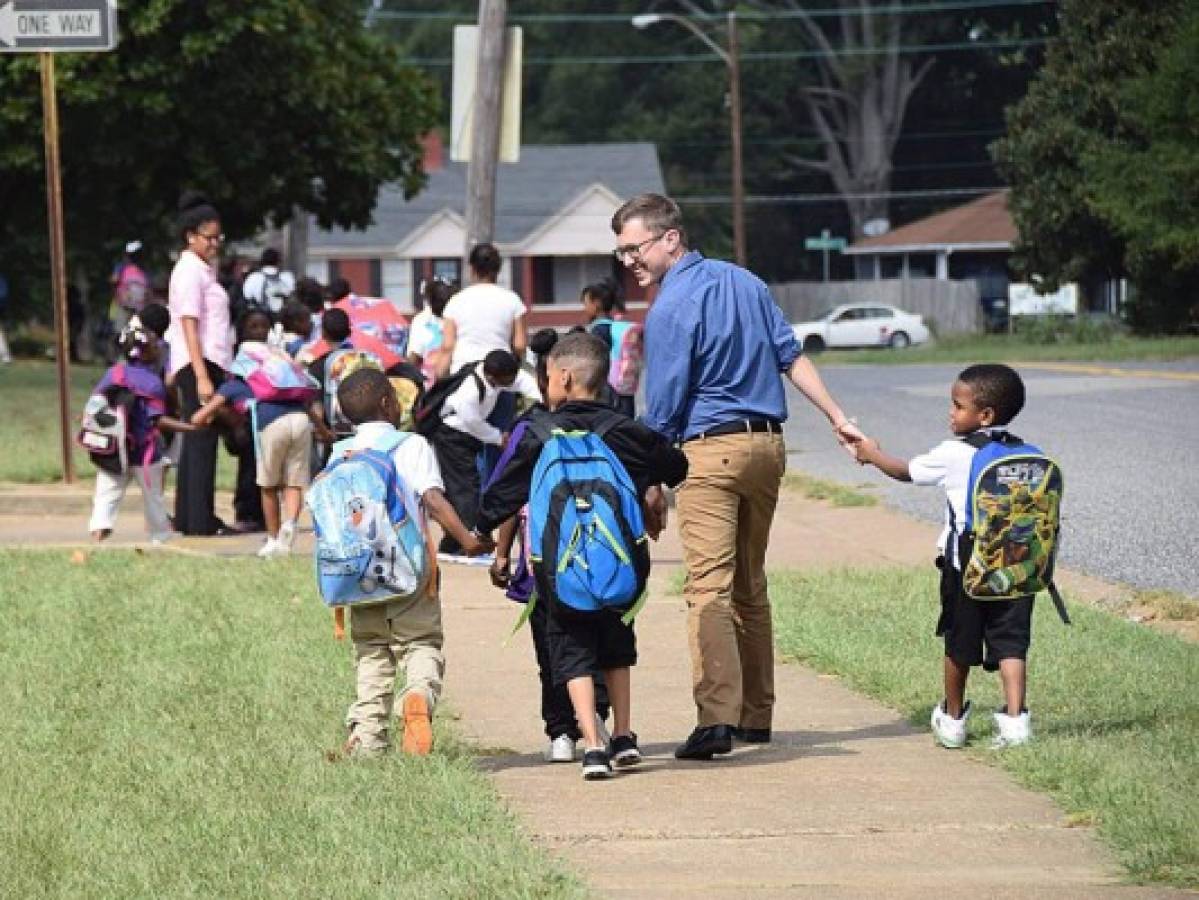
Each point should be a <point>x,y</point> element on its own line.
<point>485,124</point>
<point>734,64</point>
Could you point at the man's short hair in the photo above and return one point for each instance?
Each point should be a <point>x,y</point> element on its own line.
<point>338,288</point>
<point>270,257</point>
<point>486,260</point>
<point>361,395</point>
<point>997,386</point>
<point>586,356</point>
<point>659,214</point>
<point>335,324</point>
<point>501,364</point>
<point>156,317</point>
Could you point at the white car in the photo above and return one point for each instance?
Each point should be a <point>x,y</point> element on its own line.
<point>862,325</point>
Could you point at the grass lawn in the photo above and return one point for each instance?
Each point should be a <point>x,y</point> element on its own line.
<point>1014,348</point>
<point>834,492</point>
<point>1115,711</point>
<point>29,424</point>
<point>171,728</point>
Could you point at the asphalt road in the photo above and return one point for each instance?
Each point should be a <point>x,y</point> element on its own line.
<point>1126,435</point>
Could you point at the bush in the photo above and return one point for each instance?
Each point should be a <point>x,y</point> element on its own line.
<point>1066,329</point>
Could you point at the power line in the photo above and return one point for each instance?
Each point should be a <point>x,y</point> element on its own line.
<point>624,18</point>
<point>812,137</point>
<point>802,199</point>
<point>756,55</point>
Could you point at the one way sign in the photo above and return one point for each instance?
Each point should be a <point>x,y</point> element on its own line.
<point>34,26</point>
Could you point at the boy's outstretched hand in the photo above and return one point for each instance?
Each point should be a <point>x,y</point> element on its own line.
<point>498,572</point>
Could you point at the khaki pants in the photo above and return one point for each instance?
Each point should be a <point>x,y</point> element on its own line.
<point>406,633</point>
<point>725,509</point>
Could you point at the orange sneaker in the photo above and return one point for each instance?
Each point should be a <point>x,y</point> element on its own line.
<point>418,729</point>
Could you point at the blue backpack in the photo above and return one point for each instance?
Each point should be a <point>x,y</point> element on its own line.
<point>369,547</point>
<point>1008,545</point>
<point>588,545</point>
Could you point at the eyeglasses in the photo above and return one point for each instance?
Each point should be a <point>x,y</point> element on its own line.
<point>630,252</point>
<point>218,238</point>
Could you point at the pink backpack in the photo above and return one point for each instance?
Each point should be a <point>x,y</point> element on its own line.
<point>272,375</point>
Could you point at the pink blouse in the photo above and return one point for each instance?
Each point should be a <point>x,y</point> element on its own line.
<point>195,293</point>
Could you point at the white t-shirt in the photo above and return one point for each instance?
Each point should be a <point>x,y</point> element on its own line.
<point>947,465</point>
<point>282,282</point>
<point>484,315</point>
<point>414,461</point>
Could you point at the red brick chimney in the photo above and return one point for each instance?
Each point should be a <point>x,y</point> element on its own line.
<point>434,159</point>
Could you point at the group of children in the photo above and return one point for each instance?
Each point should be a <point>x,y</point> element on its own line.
<point>584,655</point>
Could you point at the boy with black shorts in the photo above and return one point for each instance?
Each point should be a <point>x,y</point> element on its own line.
<point>992,633</point>
<point>581,646</point>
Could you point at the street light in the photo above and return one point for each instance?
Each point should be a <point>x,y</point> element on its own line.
<point>730,56</point>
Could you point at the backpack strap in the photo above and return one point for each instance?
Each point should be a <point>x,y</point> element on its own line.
<point>609,420</point>
<point>1058,603</point>
<point>538,424</point>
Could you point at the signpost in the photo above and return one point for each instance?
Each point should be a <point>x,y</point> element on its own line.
<point>47,27</point>
<point>825,242</point>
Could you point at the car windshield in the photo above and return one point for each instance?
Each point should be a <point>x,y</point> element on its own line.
<point>825,314</point>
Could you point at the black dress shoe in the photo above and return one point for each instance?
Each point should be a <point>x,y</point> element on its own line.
<point>752,735</point>
<point>706,742</point>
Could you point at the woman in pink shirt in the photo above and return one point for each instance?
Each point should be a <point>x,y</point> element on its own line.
<point>201,352</point>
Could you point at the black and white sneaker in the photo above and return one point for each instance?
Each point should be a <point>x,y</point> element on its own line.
<point>624,750</point>
<point>596,764</point>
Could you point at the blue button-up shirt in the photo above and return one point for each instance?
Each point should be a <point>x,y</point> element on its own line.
<point>715,343</point>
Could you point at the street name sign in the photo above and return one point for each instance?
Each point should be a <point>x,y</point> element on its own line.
<point>825,242</point>
<point>40,26</point>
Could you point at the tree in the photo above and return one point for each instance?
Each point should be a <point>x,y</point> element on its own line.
<point>858,99</point>
<point>1080,131</point>
<point>262,106</point>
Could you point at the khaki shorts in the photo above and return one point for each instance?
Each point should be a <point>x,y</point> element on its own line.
<point>283,448</point>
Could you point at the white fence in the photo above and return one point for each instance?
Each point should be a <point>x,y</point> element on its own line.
<point>949,307</point>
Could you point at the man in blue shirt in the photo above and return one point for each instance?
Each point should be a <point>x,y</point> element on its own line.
<point>715,346</point>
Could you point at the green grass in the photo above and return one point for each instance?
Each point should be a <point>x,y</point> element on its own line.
<point>1115,713</point>
<point>171,728</point>
<point>835,493</point>
<point>1015,348</point>
<point>29,429</point>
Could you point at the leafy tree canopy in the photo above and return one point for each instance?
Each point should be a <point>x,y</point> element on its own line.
<point>1100,154</point>
<point>262,106</point>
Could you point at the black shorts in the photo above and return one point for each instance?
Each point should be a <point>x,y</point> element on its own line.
<point>982,632</point>
<point>582,645</point>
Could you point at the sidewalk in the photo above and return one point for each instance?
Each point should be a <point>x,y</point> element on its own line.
<point>847,802</point>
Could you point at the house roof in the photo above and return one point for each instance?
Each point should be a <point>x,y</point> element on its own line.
<point>528,193</point>
<point>984,223</point>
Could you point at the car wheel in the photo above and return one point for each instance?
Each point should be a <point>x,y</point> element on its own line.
<point>813,343</point>
<point>899,340</point>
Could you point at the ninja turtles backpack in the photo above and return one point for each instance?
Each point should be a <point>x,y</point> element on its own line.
<point>1009,541</point>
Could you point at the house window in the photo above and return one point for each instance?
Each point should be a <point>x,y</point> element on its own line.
<point>891,266</point>
<point>543,279</point>
<point>448,270</point>
<point>922,265</point>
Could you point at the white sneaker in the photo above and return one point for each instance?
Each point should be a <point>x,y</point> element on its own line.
<point>1011,731</point>
<point>159,538</point>
<point>561,749</point>
<point>950,732</point>
<point>271,548</point>
<point>287,534</point>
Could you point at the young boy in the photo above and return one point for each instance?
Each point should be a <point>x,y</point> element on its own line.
<point>464,431</point>
<point>283,443</point>
<point>579,647</point>
<point>990,633</point>
<point>407,630</point>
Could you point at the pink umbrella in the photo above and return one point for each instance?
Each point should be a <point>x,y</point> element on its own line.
<point>376,325</point>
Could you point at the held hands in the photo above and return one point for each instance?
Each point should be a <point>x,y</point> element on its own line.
<point>849,436</point>
<point>477,544</point>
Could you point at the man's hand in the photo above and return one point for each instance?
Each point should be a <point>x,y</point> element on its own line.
<point>656,511</point>
<point>500,576</point>
<point>849,435</point>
